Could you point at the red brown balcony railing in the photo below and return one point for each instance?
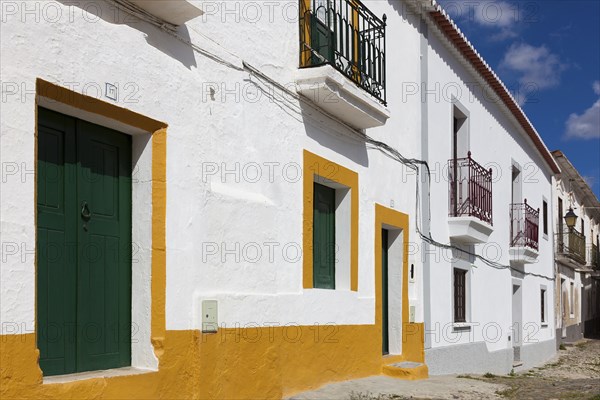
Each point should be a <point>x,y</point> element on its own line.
<point>571,244</point>
<point>524,226</point>
<point>470,189</point>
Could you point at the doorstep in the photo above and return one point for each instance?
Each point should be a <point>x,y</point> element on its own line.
<point>411,371</point>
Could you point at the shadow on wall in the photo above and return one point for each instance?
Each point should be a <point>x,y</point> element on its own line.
<point>155,37</point>
<point>318,126</point>
<point>333,135</point>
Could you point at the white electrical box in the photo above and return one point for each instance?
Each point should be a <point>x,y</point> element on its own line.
<point>210,321</point>
<point>411,314</point>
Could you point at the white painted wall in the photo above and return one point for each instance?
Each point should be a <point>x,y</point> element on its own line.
<point>219,212</point>
<point>165,79</point>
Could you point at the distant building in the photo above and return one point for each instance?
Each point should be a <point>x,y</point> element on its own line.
<point>577,257</point>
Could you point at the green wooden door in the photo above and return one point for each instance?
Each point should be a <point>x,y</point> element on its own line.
<point>324,237</point>
<point>104,238</point>
<point>56,239</point>
<point>85,295</point>
<point>384,292</point>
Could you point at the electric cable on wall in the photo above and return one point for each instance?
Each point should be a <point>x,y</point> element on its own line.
<point>412,163</point>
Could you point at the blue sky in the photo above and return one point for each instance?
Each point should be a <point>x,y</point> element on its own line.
<point>548,54</point>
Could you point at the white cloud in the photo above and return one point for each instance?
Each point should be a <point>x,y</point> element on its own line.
<point>504,34</point>
<point>596,87</point>
<point>492,14</point>
<point>536,65</point>
<point>586,125</point>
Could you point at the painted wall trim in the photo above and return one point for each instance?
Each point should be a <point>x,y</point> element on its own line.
<point>412,334</point>
<point>315,165</point>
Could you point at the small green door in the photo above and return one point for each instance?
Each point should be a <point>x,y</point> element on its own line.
<point>384,292</point>
<point>324,237</point>
<point>84,246</point>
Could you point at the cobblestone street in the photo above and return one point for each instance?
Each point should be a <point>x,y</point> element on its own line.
<point>573,374</point>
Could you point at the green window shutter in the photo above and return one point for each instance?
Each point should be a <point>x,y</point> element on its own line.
<point>84,246</point>
<point>324,247</point>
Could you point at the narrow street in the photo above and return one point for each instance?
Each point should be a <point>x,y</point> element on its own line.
<point>573,374</point>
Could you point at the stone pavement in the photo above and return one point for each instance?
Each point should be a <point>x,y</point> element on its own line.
<point>573,374</point>
<point>437,387</point>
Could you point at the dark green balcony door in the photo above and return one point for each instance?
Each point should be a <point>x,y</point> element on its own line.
<point>83,245</point>
<point>384,292</point>
<point>322,40</point>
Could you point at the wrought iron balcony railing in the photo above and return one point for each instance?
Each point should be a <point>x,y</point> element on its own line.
<point>524,226</point>
<point>594,256</point>
<point>347,36</point>
<point>571,244</point>
<point>470,189</point>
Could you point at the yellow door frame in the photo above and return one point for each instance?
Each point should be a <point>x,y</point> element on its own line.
<point>158,130</point>
<point>413,338</point>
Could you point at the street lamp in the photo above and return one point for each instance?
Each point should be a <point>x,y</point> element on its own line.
<point>571,218</point>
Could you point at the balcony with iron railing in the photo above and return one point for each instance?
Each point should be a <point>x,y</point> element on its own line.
<point>348,36</point>
<point>524,233</point>
<point>470,208</point>
<point>570,246</point>
<point>343,40</point>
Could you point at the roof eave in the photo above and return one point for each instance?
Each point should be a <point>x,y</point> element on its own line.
<point>467,50</point>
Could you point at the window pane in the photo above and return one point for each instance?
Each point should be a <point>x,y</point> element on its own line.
<point>459,295</point>
<point>545,211</point>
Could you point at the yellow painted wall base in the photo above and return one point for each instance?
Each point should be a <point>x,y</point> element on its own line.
<point>265,363</point>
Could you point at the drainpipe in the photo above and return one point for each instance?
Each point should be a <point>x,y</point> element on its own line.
<point>424,206</point>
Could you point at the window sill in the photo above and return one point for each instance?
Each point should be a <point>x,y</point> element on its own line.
<point>461,326</point>
<point>82,376</point>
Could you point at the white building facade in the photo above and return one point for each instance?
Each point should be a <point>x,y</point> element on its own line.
<point>486,306</point>
<point>231,200</point>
